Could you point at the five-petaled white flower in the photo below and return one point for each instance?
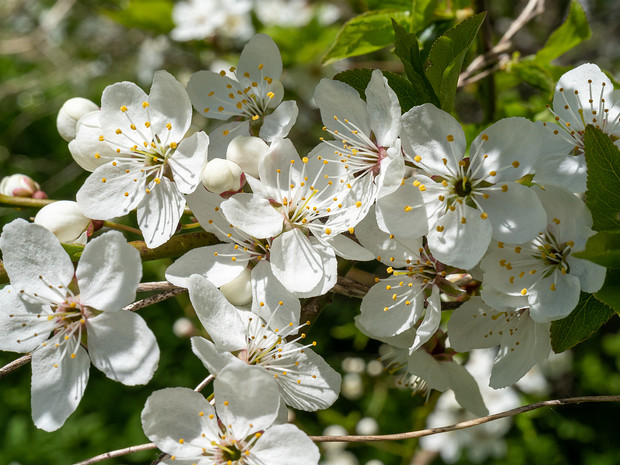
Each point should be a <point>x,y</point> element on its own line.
<point>53,314</point>
<point>583,96</point>
<point>252,95</point>
<point>154,167</point>
<point>367,132</point>
<point>241,427</point>
<point>543,274</point>
<point>459,202</point>
<point>304,208</point>
<point>306,381</point>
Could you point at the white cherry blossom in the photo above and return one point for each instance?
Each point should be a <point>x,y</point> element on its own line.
<point>460,202</point>
<point>584,95</point>
<point>252,94</point>
<point>305,380</point>
<point>543,274</point>
<point>154,165</point>
<point>241,427</point>
<point>366,133</point>
<point>49,311</point>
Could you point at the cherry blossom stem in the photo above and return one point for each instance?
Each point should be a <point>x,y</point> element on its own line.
<point>153,299</point>
<point>24,201</point>
<point>122,227</point>
<point>118,453</point>
<point>14,365</point>
<point>465,424</point>
<point>204,383</point>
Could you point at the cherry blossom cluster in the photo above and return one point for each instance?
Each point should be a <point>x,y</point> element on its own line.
<point>404,189</point>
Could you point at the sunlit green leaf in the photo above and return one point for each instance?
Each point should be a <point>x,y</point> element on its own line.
<point>446,58</point>
<point>152,15</point>
<point>571,33</point>
<point>603,195</point>
<point>589,315</point>
<point>603,248</point>
<point>365,33</point>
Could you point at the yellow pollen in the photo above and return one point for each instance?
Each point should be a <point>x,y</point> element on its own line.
<point>118,131</point>
<point>408,208</point>
<point>484,216</point>
<point>505,188</point>
<point>123,108</point>
<point>515,164</point>
<point>450,138</point>
<point>417,158</point>
<point>523,291</point>
<point>145,104</point>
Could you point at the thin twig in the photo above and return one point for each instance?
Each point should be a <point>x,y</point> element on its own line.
<point>153,299</point>
<point>14,365</point>
<point>465,424</point>
<point>156,286</point>
<point>118,453</point>
<point>204,383</point>
<point>498,52</point>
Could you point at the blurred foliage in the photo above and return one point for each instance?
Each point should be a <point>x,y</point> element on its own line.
<point>53,50</point>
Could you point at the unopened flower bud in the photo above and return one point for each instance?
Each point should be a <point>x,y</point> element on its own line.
<point>220,176</point>
<point>88,149</point>
<point>20,185</point>
<point>69,114</point>
<point>247,152</point>
<point>65,220</point>
<point>239,290</point>
<point>183,327</point>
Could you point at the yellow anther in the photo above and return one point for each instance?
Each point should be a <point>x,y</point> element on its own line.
<point>523,291</point>
<point>450,138</point>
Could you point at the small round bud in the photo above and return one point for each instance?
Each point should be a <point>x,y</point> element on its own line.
<point>247,152</point>
<point>367,426</point>
<point>69,114</point>
<point>183,327</point>
<point>64,219</point>
<point>220,176</point>
<point>239,290</point>
<point>20,185</point>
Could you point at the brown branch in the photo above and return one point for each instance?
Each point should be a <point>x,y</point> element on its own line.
<point>153,299</point>
<point>156,286</point>
<point>118,453</point>
<point>14,365</point>
<point>465,424</point>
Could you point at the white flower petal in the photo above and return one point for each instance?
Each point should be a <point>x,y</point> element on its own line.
<point>267,293</point>
<point>122,346</point>
<point>260,58</point>
<point>188,161</point>
<point>591,276</point>
<point>176,418</point>
<point>403,212</point>
<point>459,243</point>
<point>169,104</point>
<point>129,96</point>
<point>108,272</point>
<point>515,213</point>
<point>102,200</point>
<point>336,99</point>
<point>348,248</point>
<point>213,262</point>
<point>285,445</point>
<point>160,212</point>
<point>29,269</point>
<point>248,410</point>
<point>278,124</point>
<point>213,359</point>
<point>383,109</point>
<point>314,385</point>
<point>295,262</point>
<point>425,132</point>
<point>220,318</point>
<point>87,149</point>
<point>58,384</point>
<point>474,325</point>
<point>430,322</point>
<point>253,215</point>
<point>547,305</point>
<point>19,322</point>
<point>207,90</point>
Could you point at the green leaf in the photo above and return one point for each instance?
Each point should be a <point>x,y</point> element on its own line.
<point>534,74</point>
<point>446,58</point>
<point>408,95</point>
<point>571,33</point>
<point>74,251</point>
<point>364,34</point>
<point>603,194</point>
<point>357,78</point>
<point>407,48</point>
<point>152,15</point>
<point>421,13</point>
<point>610,292</point>
<point>360,77</point>
<point>384,4</point>
<point>603,248</point>
<point>589,315</point>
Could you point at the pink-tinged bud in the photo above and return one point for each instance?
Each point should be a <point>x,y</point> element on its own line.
<point>220,176</point>
<point>20,185</point>
<point>65,220</point>
<point>239,290</point>
<point>247,152</point>
<point>69,114</point>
